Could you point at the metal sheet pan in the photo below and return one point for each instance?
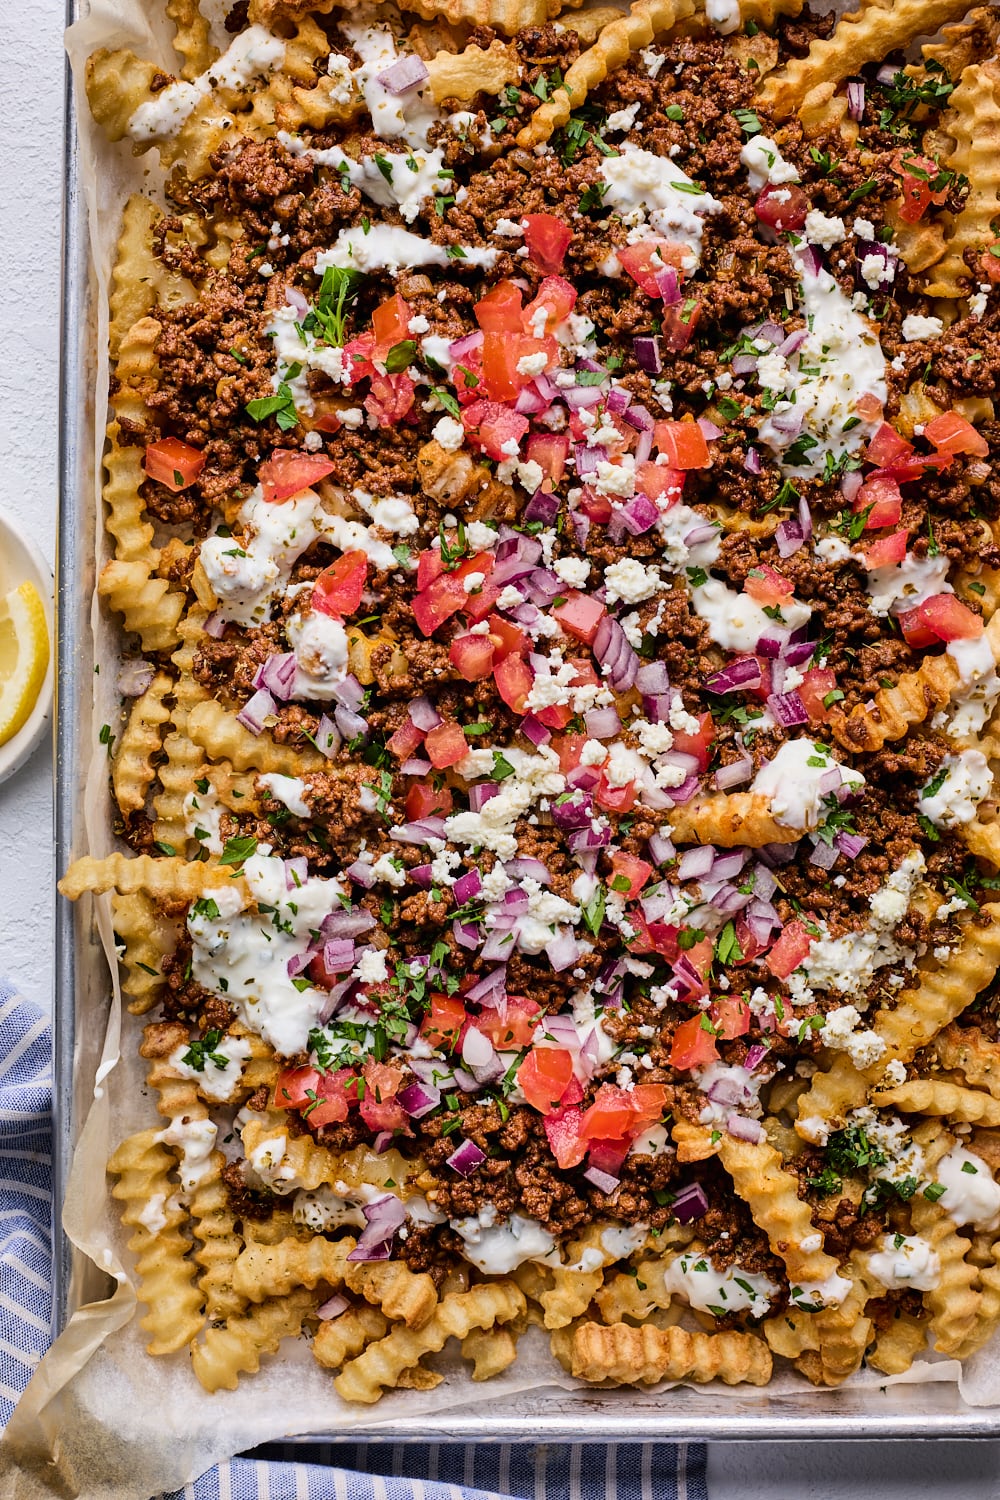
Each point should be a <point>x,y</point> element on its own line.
<point>901,1411</point>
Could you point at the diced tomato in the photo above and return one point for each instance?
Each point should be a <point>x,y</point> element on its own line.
<point>916,632</point>
<point>516,1028</point>
<point>782,207</point>
<point>557,297</point>
<point>945,616</point>
<point>869,407</point>
<point>887,550</point>
<point>338,589</point>
<point>815,686</point>
<point>288,472</point>
<point>500,310</point>
<point>329,423</point>
<point>390,324</point>
<point>446,594</point>
<point>176,464</point>
<point>619,799</point>
<point>467,376</point>
<point>565,1142</point>
<point>514,680</point>
<point>886,446</point>
<point>547,239</point>
<point>882,495</point>
<point>554,715</point>
<point>697,744</point>
<point>765,585</point>
<point>425,801</point>
<point>648,1101</point>
<point>951,433</point>
<point>660,483</point>
<point>652,937</point>
<point>568,748</point>
<point>481,601</point>
<point>580,615</point>
<point>490,426</point>
<point>610,1117</point>
<point>628,868</point>
<point>647,260</point>
<point>445,1024</point>
<point>389,398</point>
<point>699,958</point>
<point>446,745</point>
<point>989,263</point>
<point>379,1107</point>
<point>318,972</point>
<point>788,952</point>
<point>430,565</point>
<point>678,324</point>
<point>471,656</point>
<point>731,1016</point>
<point>683,443</point>
<point>358,354</point>
<point>544,1076</point>
<point>549,450</point>
<point>501,381</point>
<point>693,1045</point>
<point>406,740</point>
<point>507,638</point>
<point>918,173</point>
<point>595,507</point>
<point>766,686</point>
<point>309,1090</point>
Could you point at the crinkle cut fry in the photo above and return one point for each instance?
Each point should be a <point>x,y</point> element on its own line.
<point>842,1332</point>
<point>969,1050</point>
<point>139,279</point>
<point>973,121</point>
<point>132,770</point>
<point>463,75</point>
<point>643,1356</point>
<point>954,1303</point>
<point>457,1314</point>
<point>936,1096</point>
<point>736,818</point>
<point>272,1270</point>
<point>183,759</point>
<point>166,1277</point>
<point>508,16</point>
<point>222,737</point>
<point>645,21</point>
<point>920,1013</point>
<point>166,879</point>
<point>342,1338</point>
<point>148,936</point>
<point>866,35</point>
<point>233,1349</point>
<point>191,39</point>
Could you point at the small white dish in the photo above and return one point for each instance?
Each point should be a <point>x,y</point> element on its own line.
<point>20,562</point>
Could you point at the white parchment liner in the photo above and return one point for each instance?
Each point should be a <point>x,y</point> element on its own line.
<point>103,1420</point>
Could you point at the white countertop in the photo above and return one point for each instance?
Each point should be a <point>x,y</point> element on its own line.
<point>30,170</point>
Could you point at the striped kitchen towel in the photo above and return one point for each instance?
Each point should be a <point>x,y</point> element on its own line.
<point>343,1471</point>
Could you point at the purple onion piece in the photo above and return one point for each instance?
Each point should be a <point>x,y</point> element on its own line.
<point>467,1159</point>
<point>691,1203</point>
<point>603,1181</point>
<point>418,1099</point>
<point>385,1216</point>
<point>752,462</point>
<point>134,677</point>
<point>260,707</point>
<point>406,73</point>
<point>647,354</point>
<point>856,99</point>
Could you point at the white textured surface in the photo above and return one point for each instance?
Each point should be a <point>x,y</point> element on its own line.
<point>31,74</point>
<point>30,172</point>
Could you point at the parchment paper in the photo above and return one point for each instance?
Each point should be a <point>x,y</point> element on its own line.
<point>101,1419</point>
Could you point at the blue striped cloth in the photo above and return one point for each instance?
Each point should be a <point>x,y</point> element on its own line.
<point>321,1471</point>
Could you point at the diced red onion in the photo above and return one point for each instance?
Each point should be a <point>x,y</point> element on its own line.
<point>349,692</point>
<point>542,507</point>
<point>696,863</point>
<point>415,765</point>
<point>647,354</point>
<point>534,730</point>
<point>423,714</point>
<point>850,844</point>
<point>773,641</point>
<point>699,534</point>
<point>709,430</point>
<point>887,73</point>
<point>347,924</point>
<point>297,963</point>
<point>752,462</point>
<point>420,832</point>
<point>691,1203</point>
<point>764,883</point>
<point>618,661</point>
<point>460,349</point>
<point>618,399</point>
<point>587,458</point>
<point>812,258</point>
<point>350,724</point>
<point>480,1057</point>
<point>607,1156</point>
<point>744,673</point>
<point>797,652</point>
<point>405,74</point>
<point>788,709</point>
<point>338,955</point>
<point>524,867</point>
<point>603,1181</point>
<point>824,856</point>
<point>661,849</point>
<point>482,793</point>
<point>850,484</point>
<point>602,723</point>
<point>583,777</point>
<point>805,518</point>
<point>744,1129</point>
<point>260,707</point>
<point>640,418</point>
<point>744,364</point>
<point>215,626</point>
<point>640,515</point>
<point>789,538</point>
<point>296,872</point>
<point>488,990</point>
<point>385,1216</point>
<point>530,401</point>
<point>422,876</point>
<point>771,333</point>
<point>277,674</point>
<point>793,343</point>
<point>683,793</point>
<point>467,887</point>
<point>466,934</point>
<point>735,773</point>
<point>756,1054</point>
<point>327,738</point>
<point>653,677</point>
<point>362,873</point>
<point>578,396</point>
<point>332,1307</point>
<point>669,286</point>
<point>134,677</point>
<point>467,1159</point>
<point>418,1099</point>
<point>563,950</point>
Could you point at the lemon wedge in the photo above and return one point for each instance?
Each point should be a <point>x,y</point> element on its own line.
<point>24,657</point>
